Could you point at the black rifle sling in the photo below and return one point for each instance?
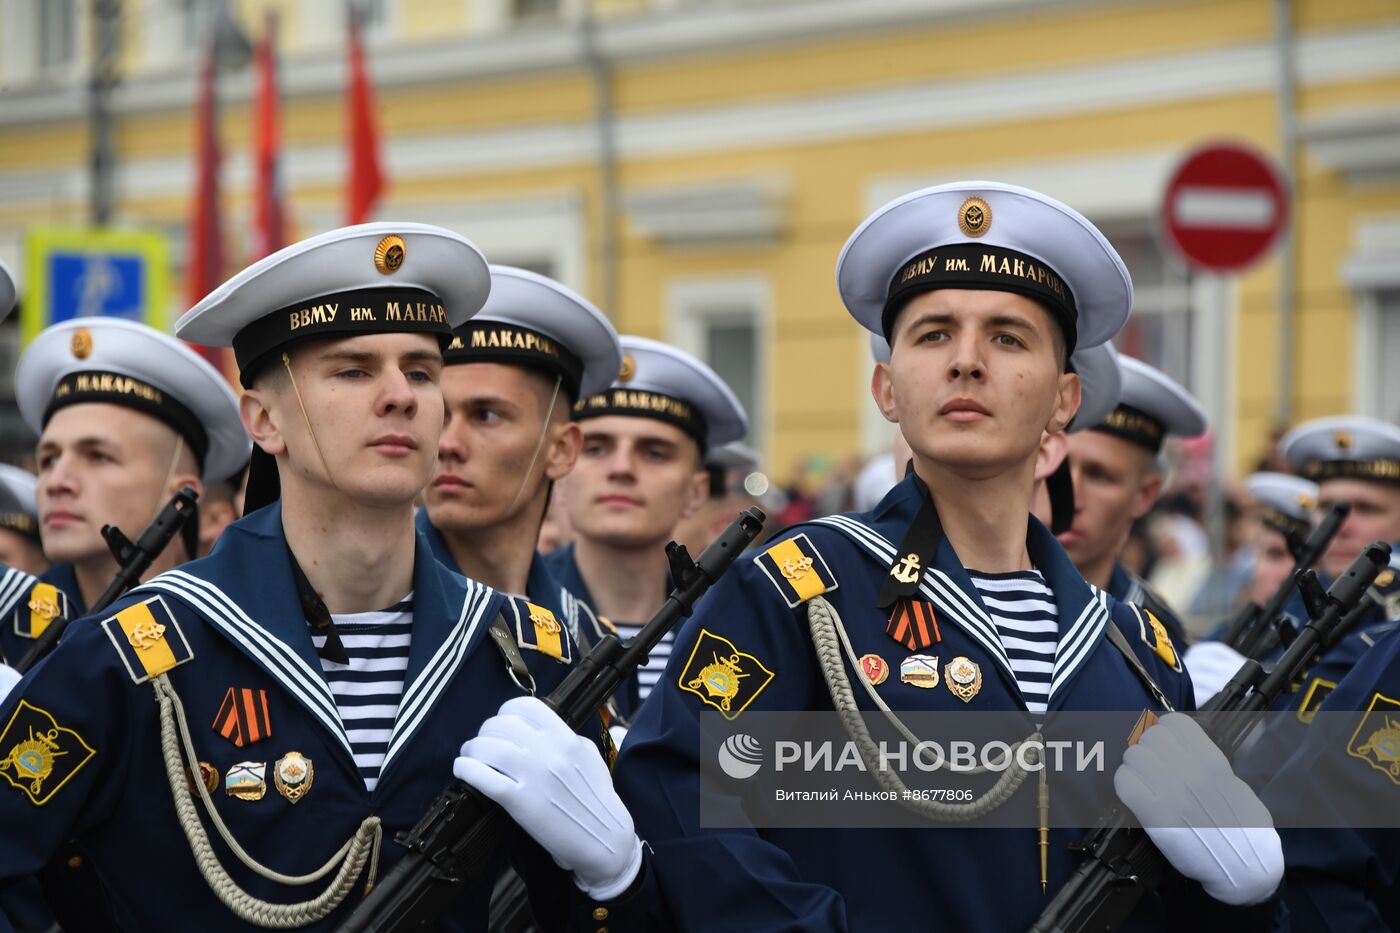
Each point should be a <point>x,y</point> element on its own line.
<point>1115,636</point>
<point>504,641</point>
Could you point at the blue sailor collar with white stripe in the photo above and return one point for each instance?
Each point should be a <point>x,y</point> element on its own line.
<point>451,616</point>
<point>541,587</point>
<point>1082,608</point>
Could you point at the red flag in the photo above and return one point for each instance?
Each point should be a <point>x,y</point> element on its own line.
<point>366,179</point>
<point>270,220</point>
<point>205,268</point>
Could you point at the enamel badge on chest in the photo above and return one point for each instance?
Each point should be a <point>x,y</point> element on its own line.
<point>292,775</point>
<point>963,677</point>
<point>874,668</point>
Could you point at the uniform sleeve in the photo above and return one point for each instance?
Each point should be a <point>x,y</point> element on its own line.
<point>717,879</point>
<point>1342,878</point>
<point>64,748</point>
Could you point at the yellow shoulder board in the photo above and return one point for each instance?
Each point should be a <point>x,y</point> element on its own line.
<point>148,639</point>
<point>46,602</point>
<point>1160,642</point>
<point>797,569</point>
<point>543,633</point>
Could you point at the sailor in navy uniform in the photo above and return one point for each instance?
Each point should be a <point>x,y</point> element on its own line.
<point>640,473</point>
<point>983,290</point>
<point>1285,507</point>
<point>125,416</point>
<point>1357,460</point>
<point>21,551</point>
<point>512,375</point>
<point>315,676</point>
<point>1117,477</point>
<point>1346,878</point>
<point>20,545</point>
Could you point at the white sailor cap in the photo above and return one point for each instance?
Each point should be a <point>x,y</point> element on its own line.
<point>1101,385</point>
<point>986,235</point>
<point>879,348</point>
<point>123,362</point>
<point>1287,502</point>
<point>659,381</point>
<point>370,278</point>
<point>725,459</point>
<point>531,320</point>
<point>1152,406</point>
<point>7,292</point>
<point>1344,447</point>
<point>736,455</point>
<point>19,512</point>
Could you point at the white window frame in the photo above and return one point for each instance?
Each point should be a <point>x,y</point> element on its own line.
<point>692,304</point>
<point>1373,268</point>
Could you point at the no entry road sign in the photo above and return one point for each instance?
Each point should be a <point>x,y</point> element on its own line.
<point>1225,207</point>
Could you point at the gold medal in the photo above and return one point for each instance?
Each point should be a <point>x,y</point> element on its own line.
<point>874,668</point>
<point>963,677</point>
<point>292,774</point>
<point>208,775</point>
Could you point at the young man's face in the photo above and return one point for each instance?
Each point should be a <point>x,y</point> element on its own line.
<point>488,468</point>
<point>974,380</point>
<point>635,479</point>
<point>375,402</point>
<point>101,464</point>
<point>1114,484</point>
<point>1273,562</point>
<point>1375,516</point>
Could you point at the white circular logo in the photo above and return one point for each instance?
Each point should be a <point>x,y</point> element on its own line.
<point>741,756</point>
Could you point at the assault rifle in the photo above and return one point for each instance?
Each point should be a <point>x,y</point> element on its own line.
<point>1249,633</point>
<point>133,559</point>
<point>1121,863</point>
<point>456,838</point>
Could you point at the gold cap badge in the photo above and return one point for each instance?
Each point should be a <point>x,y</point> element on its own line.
<point>1342,439</point>
<point>974,217</point>
<point>389,254</point>
<point>81,344</point>
<point>628,370</point>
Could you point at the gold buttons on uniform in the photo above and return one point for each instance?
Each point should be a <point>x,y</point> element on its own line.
<point>600,913</point>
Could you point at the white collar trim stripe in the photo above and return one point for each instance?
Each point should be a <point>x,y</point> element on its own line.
<point>280,660</point>
<point>13,585</point>
<point>419,696</point>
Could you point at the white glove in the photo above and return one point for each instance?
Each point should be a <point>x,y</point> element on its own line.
<point>1206,821</point>
<point>555,784</point>
<point>8,678</point>
<point>1211,664</point>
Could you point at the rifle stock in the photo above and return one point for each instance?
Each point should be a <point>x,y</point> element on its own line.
<point>455,839</point>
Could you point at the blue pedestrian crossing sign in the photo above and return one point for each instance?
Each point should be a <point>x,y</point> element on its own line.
<point>80,272</point>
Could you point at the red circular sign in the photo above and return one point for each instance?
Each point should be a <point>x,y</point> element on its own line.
<point>1225,207</point>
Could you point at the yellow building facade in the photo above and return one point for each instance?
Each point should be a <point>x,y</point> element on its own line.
<point>694,167</point>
